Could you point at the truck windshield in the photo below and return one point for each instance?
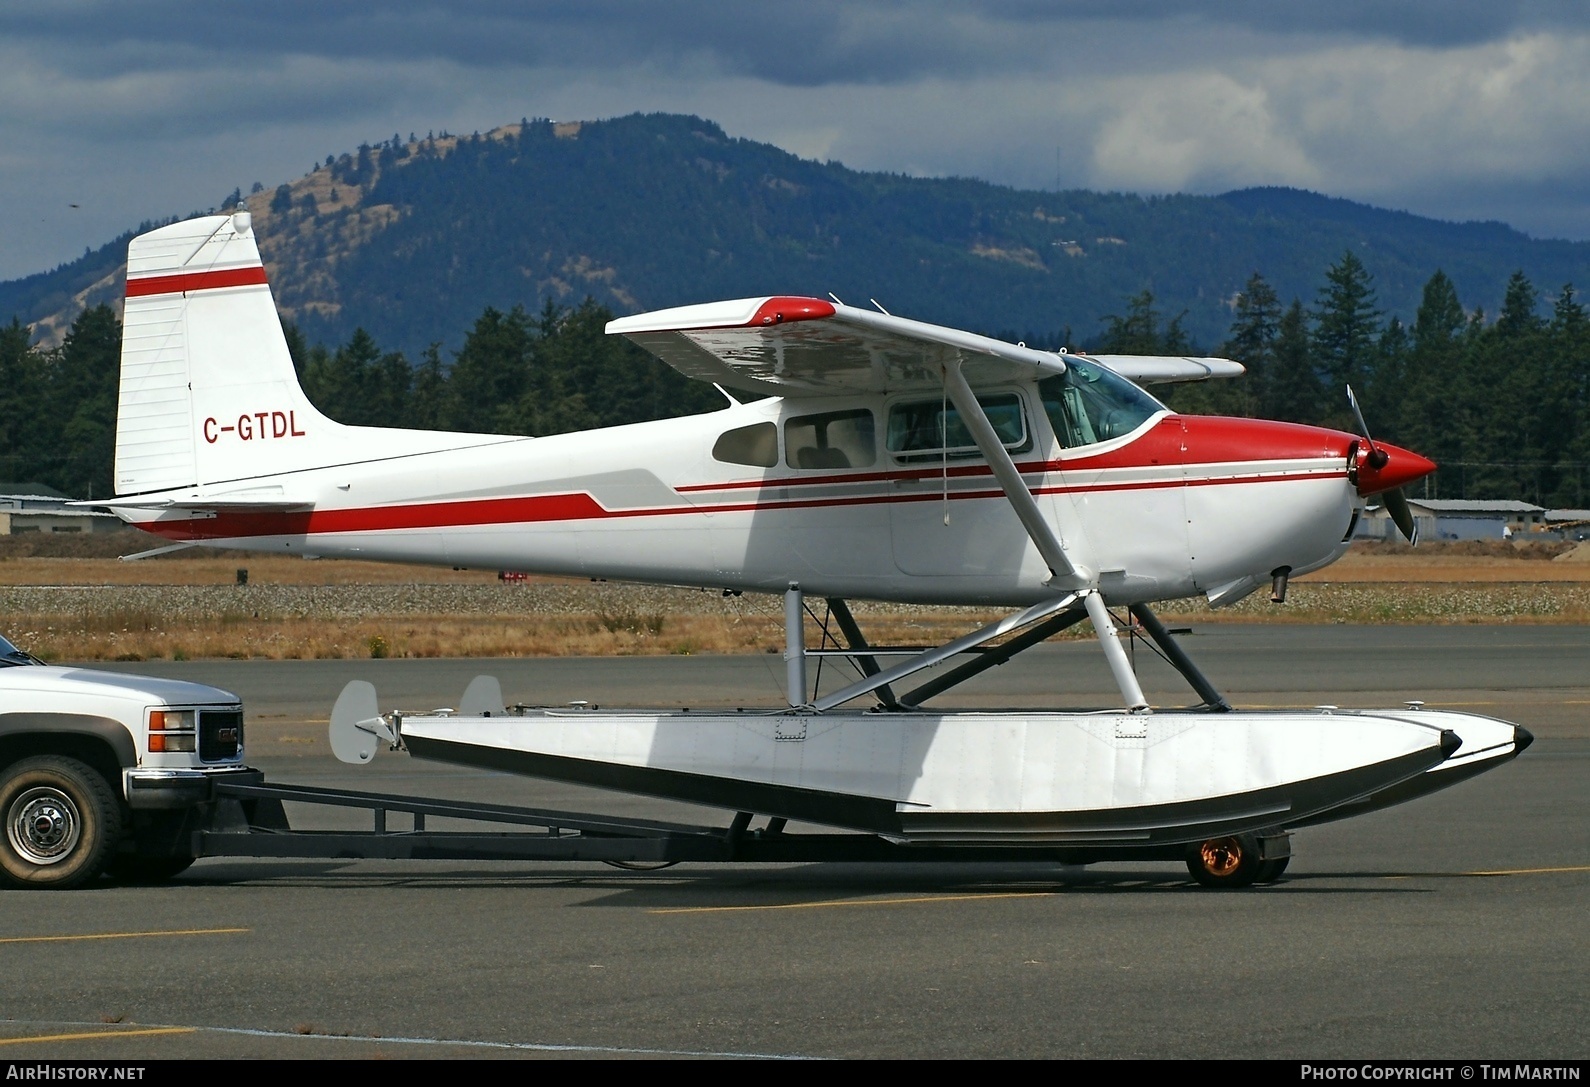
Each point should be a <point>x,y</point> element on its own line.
<point>10,655</point>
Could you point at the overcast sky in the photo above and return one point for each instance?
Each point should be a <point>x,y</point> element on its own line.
<point>1460,109</point>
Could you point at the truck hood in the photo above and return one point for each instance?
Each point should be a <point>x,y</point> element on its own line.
<point>86,681</point>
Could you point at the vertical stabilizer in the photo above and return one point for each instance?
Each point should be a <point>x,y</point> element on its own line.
<point>208,390</point>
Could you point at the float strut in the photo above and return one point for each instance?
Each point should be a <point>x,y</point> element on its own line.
<point>1179,658</point>
<point>1125,679</point>
<point>795,645</point>
<point>854,639</point>
<point>981,663</point>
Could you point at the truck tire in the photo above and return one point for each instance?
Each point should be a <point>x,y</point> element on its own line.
<point>62,823</point>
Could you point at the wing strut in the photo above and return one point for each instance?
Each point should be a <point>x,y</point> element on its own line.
<point>1062,574</point>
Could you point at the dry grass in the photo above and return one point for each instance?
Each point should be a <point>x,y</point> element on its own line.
<point>189,607</point>
<point>545,619</point>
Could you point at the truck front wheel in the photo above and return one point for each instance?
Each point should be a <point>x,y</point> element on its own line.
<point>62,823</point>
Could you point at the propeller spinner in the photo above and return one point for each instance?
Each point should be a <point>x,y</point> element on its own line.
<point>1383,470</point>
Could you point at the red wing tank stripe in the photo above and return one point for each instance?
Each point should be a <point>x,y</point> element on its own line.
<point>196,281</point>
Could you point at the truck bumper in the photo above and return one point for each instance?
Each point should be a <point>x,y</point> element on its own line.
<point>168,790</point>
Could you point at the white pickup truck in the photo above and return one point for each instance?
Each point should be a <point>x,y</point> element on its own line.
<point>104,772</point>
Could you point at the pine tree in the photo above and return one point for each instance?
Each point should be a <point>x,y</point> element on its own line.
<point>1519,315</point>
<point>427,405</point>
<point>1138,332</point>
<point>1426,410</point>
<point>1295,391</point>
<point>1570,338</point>
<point>491,373</point>
<point>1254,333</point>
<point>82,401</point>
<point>19,390</point>
<point>1345,323</point>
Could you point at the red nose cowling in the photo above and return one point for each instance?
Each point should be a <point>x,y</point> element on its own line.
<point>1216,438</point>
<point>1387,467</point>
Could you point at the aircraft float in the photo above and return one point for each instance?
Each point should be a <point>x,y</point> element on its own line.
<point>861,455</point>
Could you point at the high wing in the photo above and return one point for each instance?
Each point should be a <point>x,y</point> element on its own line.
<point>790,346</point>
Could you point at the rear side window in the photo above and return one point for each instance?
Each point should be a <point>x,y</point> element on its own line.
<point>834,439</point>
<point>928,429</point>
<point>756,445</point>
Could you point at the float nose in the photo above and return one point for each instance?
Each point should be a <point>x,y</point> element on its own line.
<point>1387,467</point>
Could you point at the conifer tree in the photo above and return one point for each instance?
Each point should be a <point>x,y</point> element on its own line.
<point>1254,333</point>
<point>1425,407</point>
<point>1138,332</point>
<point>1295,391</point>
<point>19,418</point>
<point>1345,323</point>
<point>82,397</point>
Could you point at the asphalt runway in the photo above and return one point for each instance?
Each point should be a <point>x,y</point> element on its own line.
<point>1449,928</point>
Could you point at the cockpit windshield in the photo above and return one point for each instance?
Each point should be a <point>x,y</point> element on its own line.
<point>1089,403</point>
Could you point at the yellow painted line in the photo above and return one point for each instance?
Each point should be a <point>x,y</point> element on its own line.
<point>1530,871</point>
<point>121,935</point>
<point>97,1034</point>
<point>832,903</point>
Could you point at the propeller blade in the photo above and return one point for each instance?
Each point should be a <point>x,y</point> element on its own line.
<point>1397,506</point>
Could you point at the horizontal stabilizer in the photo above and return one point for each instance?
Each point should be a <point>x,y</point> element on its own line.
<point>216,505</point>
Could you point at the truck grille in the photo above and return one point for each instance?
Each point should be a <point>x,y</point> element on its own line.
<point>220,734</point>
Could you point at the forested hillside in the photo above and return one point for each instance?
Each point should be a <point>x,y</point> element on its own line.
<point>411,238</point>
<point>1503,404</point>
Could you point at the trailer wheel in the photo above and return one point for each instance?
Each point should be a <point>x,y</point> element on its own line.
<point>1270,871</point>
<point>61,823</point>
<point>1225,863</point>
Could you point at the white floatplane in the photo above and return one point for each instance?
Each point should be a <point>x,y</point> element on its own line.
<point>876,458</point>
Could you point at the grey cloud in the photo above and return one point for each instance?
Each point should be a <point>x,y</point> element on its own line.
<point>158,107</point>
<point>818,42</point>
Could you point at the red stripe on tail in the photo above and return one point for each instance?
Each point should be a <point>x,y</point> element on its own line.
<point>196,281</point>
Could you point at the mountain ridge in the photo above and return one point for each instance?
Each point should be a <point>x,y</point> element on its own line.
<point>411,239</point>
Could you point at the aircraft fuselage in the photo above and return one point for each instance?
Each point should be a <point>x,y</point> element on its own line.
<point>1182,505</point>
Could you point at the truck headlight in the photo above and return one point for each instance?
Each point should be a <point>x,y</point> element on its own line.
<point>172,730</point>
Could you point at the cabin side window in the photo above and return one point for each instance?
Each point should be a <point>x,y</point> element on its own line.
<point>834,439</point>
<point>931,429</point>
<point>1089,403</point>
<point>756,445</point>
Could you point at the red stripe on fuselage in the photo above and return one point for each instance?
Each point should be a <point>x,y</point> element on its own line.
<point>487,511</point>
<point>582,507</point>
<point>196,281</point>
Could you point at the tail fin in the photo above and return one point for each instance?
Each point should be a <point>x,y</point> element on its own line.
<point>208,390</point>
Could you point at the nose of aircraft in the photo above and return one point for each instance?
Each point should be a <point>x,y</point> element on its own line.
<point>1378,468</point>
<point>1387,467</point>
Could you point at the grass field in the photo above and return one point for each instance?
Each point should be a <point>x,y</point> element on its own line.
<point>85,605</point>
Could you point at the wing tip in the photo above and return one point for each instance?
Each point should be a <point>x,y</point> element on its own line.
<point>732,313</point>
